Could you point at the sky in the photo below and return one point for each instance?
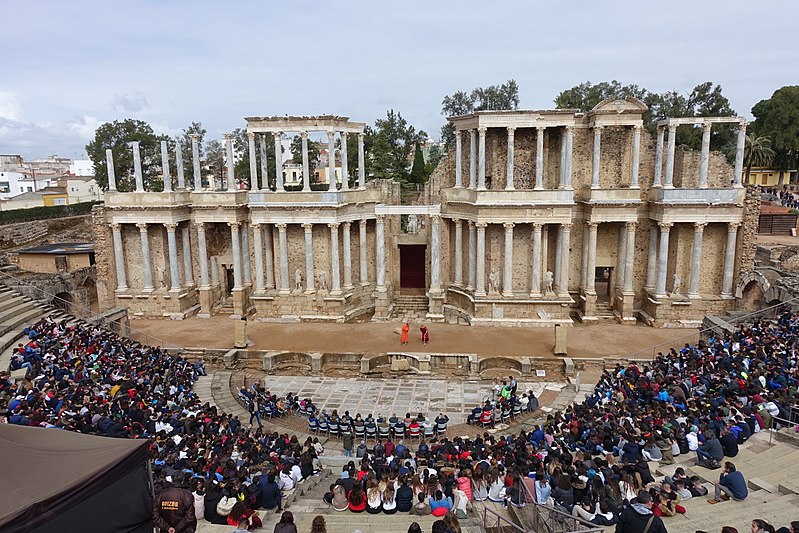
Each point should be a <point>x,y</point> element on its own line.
<point>68,66</point>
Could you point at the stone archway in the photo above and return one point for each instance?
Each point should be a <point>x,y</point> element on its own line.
<point>64,301</point>
<point>745,280</point>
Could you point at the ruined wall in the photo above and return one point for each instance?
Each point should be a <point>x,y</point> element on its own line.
<point>36,232</point>
<point>104,258</point>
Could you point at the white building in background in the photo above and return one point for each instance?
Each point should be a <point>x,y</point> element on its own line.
<point>81,189</point>
<point>15,183</point>
<point>81,167</point>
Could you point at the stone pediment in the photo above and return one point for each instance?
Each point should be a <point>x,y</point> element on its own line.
<point>620,105</point>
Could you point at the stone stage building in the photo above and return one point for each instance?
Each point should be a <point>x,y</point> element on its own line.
<point>533,218</point>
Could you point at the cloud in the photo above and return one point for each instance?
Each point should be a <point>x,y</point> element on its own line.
<point>84,126</point>
<point>130,103</point>
<point>31,139</point>
<point>9,106</point>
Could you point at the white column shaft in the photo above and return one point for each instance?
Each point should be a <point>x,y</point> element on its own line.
<point>663,258</point>
<point>481,160</point>
<point>112,179</point>
<point>620,255</point>
<point>629,257</point>
<point>119,257</point>
<point>591,274</point>
<point>363,252</point>
<point>230,163</point>
<point>569,156</point>
<point>458,160</point>
<point>179,166</point>
<point>245,253</point>
<point>472,159</point>
<point>165,166</point>
<point>361,163</point>
<point>335,266</point>
<point>279,187</point>
<point>188,275</point>
<point>704,155</point>
<point>480,258</point>
<point>195,164</point>
<point>636,157</point>
<point>380,254</point>
<point>729,259</point>
<point>564,262</point>
<point>696,256</point>
<point>306,173</point>
<point>258,248</point>
<point>539,158</point>
<point>331,161</point>
<point>584,263</point>
<point>284,258</point>
<point>147,268</point>
<point>507,275</point>
<point>739,154</point>
<point>235,240</point>
<point>347,245</point>
<point>264,183</point>
<point>672,143</point>
<point>656,181</point>
<point>596,157</point>
<point>203,259</point>
<point>435,254</point>
<point>535,267</point>
<point>509,185</point>
<point>345,173</point>
<point>269,256</point>
<point>558,258</point>
<point>652,258</point>
<point>137,172</point>
<point>174,269</point>
<point>253,162</point>
<point>470,285</point>
<point>309,267</point>
<point>458,252</point>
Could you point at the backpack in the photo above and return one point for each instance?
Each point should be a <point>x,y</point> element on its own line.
<point>710,463</point>
<point>225,505</point>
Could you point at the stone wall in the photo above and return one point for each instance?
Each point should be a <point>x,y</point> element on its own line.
<point>747,238</point>
<point>36,232</point>
<point>104,258</point>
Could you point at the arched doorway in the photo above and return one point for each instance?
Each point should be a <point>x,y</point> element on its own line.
<point>63,300</point>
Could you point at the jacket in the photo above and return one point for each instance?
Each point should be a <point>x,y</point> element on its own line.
<point>404,499</point>
<point>736,483</point>
<point>270,494</point>
<point>713,447</point>
<point>174,507</point>
<point>634,519</point>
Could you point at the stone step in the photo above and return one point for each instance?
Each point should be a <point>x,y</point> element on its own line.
<point>11,302</point>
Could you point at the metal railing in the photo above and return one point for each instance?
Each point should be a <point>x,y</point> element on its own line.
<point>61,304</point>
<point>545,519</point>
<point>692,338</point>
<point>497,521</point>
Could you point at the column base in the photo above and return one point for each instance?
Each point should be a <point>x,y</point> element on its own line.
<point>148,290</point>
<point>120,290</point>
<point>365,284</point>
<point>535,294</point>
<point>694,296</point>
<point>480,294</point>
<point>349,287</point>
<point>469,288</point>
<point>507,294</point>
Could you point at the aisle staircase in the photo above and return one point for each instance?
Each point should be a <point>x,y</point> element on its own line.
<point>407,307</point>
<point>604,311</point>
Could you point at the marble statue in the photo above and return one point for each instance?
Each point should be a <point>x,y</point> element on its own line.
<point>676,282</point>
<point>413,224</point>
<point>321,278</point>
<point>493,281</point>
<point>164,278</point>
<point>298,279</point>
<point>549,279</point>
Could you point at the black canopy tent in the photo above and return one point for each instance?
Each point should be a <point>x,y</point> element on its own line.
<point>54,480</point>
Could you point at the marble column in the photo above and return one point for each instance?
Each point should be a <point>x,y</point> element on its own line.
<point>380,254</point>
<point>269,256</point>
<point>235,240</point>
<point>165,166</point>
<point>729,259</point>
<point>214,271</point>
<point>562,180</point>
<point>629,257</point>
<point>590,278</point>
<point>137,166</point>
<point>595,161</point>
<point>309,268</point>
<point>458,252</point>
<point>636,157</point>
<point>663,259</point>
<point>480,259</point>
<point>331,161</point>
<point>284,258</point>
<point>179,166</point>
<point>306,174</point>
<point>509,185</point>
<point>535,267</point>
<point>458,160</point>
<point>739,154</point>
<point>258,248</point>
<point>435,253</point>
<point>146,262</point>
<point>345,243</point>
<point>696,256</point>
<point>119,257</point>
<point>472,159</point>
<point>672,143</point>
<point>335,266</point>
<point>652,259</point>
<point>565,232</point>
<point>361,164</point>
<point>278,136</point>
<point>656,181</point>
<point>584,263</point>
<point>172,245</point>
<point>345,174</point>
<point>539,158</point>
<point>188,276</point>
<point>230,162</point>
<point>481,160</point>
<point>245,253</point>
<point>620,255</point>
<point>109,161</point>
<point>264,184</point>
<point>363,252</point>
<point>203,259</point>
<point>507,275</point>
<point>704,155</point>
<point>195,161</point>
<point>569,157</point>
<point>253,161</point>
<point>470,284</point>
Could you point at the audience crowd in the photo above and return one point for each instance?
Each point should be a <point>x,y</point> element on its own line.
<point>590,461</point>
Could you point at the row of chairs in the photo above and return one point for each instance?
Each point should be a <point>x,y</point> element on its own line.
<point>496,416</point>
<point>332,428</point>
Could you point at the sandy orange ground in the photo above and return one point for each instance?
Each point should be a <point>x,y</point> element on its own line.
<point>583,341</point>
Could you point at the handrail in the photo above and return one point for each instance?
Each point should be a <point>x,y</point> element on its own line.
<point>559,516</point>
<point>500,519</point>
<point>46,298</point>
<point>699,332</point>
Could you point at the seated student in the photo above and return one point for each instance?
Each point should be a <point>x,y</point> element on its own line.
<point>404,496</point>
<point>440,504</point>
<point>339,501</point>
<point>389,498</point>
<point>732,484</point>
<point>374,498</point>
<point>421,508</point>
<point>357,499</point>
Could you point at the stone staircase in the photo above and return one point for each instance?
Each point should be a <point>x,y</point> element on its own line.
<point>771,471</point>
<point>409,307</point>
<point>604,311</point>
<point>226,307</point>
<point>18,311</point>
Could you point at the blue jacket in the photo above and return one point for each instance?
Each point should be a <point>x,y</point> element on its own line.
<point>736,483</point>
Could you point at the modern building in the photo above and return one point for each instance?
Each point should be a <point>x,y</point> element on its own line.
<point>769,177</point>
<point>533,218</point>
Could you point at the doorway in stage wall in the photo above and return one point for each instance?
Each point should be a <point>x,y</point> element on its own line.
<point>412,268</point>
<point>602,279</point>
<point>229,279</point>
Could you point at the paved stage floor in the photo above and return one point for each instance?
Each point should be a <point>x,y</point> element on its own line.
<point>599,340</point>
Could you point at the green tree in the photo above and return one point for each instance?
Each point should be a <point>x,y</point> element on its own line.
<point>184,141</point>
<point>493,97</point>
<point>391,143</point>
<point>418,170</point>
<point>706,99</point>
<point>433,157</point>
<point>778,118</point>
<point>116,136</point>
<point>757,153</point>
<point>295,149</point>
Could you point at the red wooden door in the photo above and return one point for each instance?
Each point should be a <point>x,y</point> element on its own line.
<point>412,263</point>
